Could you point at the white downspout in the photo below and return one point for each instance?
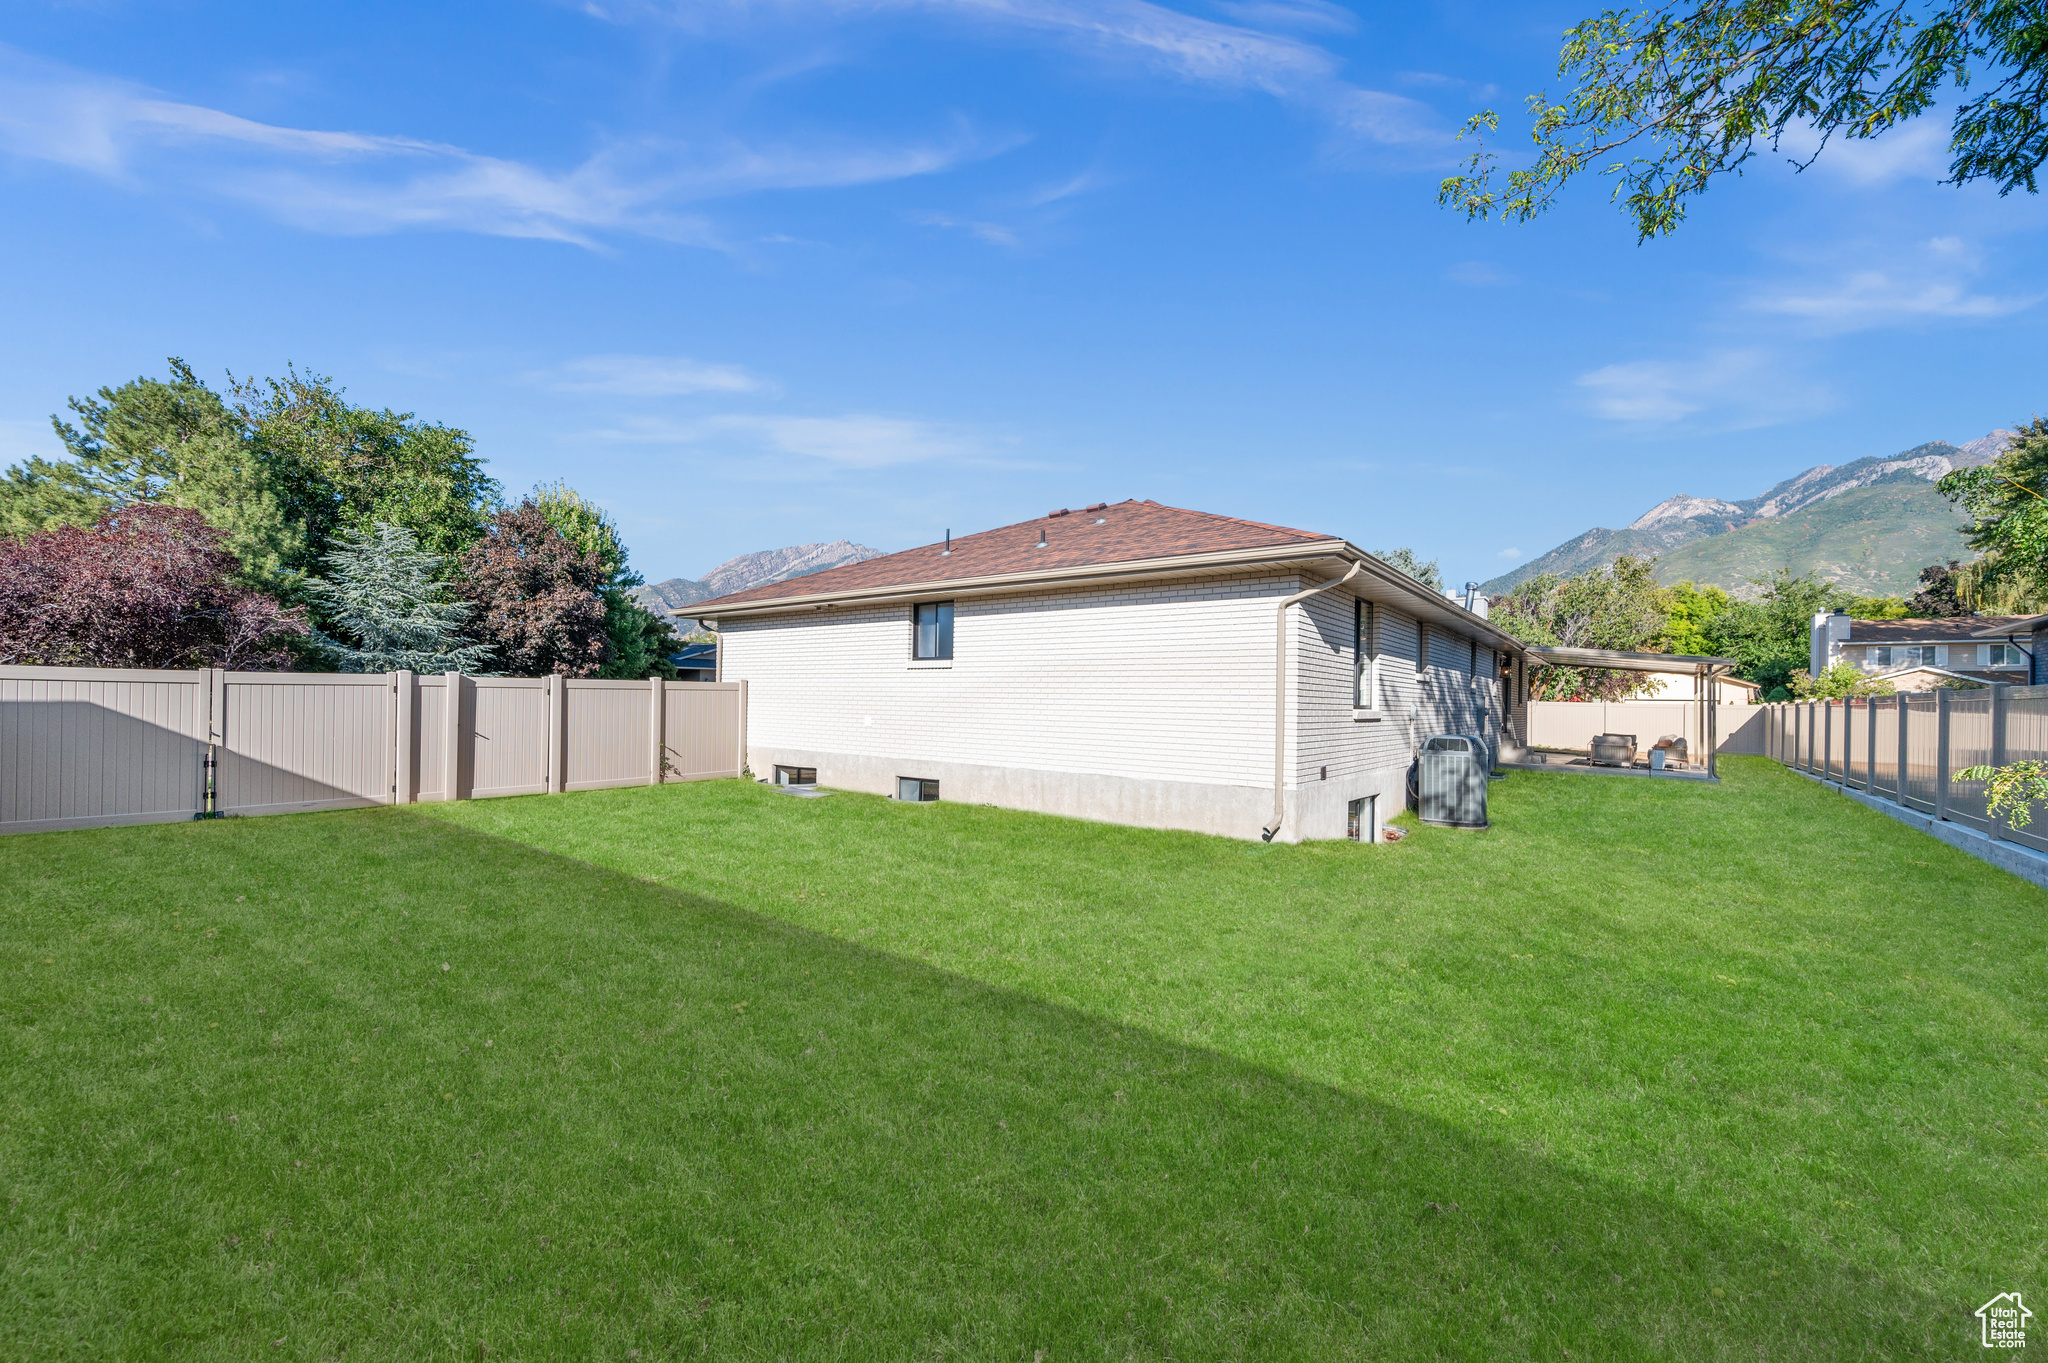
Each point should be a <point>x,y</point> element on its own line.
<point>1280,698</point>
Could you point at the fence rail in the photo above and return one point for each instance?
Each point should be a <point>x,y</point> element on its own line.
<point>90,747</point>
<point>1908,748</point>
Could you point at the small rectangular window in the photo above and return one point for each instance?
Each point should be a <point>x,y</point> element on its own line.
<point>2003,655</point>
<point>933,630</point>
<point>1881,657</point>
<point>1473,666</point>
<point>916,789</point>
<point>1361,820</point>
<point>1365,645</point>
<point>1421,648</point>
<point>796,776</point>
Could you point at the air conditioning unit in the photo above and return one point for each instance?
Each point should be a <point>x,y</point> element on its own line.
<point>1451,772</point>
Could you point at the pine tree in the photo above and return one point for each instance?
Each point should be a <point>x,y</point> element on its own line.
<point>382,589</point>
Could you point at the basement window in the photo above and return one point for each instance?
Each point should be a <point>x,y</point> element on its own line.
<point>932,630</point>
<point>916,789</point>
<point>796,776</point>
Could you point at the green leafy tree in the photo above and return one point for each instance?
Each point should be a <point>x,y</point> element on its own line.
<point>640,640</point>
<point>1839,682</point>
<point>2009,514</point>
<point>1770,637</point>
<point>1404,558</point>
<point>384,597</point>
<point>1688,610</point>
<point>1618,607</point>
<point>344,467</point>
<point>1666,98</point>
<point>167,442</point>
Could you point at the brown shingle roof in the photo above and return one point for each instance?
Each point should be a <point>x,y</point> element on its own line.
<point>1951,629</point>
<point>1124,533</point>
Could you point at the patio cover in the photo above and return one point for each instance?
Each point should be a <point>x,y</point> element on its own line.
<point>1705,669</point>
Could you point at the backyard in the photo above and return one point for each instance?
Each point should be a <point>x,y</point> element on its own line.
<point>1649,1069</point>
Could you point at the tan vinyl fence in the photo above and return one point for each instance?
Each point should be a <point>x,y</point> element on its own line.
<point>87,747</point>
<point>1908,748</point>
<point>1571,724</point>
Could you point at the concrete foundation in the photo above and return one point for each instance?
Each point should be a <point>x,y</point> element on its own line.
<point>1314,811</point>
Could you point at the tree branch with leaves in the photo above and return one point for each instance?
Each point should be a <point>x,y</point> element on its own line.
<point>1667,99</point>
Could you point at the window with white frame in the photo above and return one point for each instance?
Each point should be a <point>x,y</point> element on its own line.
<point>1909,655</point>
<point>2002,655</point>
<point>1421,647</point>
<point>1365,653</point>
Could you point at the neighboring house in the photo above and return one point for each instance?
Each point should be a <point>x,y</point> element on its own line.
<point>1959,644</point>
<point>696,662</point>
<point>2029,633</point>
<point>1198,686</point>
<point>1924,678</point>
<point>1721,689</point>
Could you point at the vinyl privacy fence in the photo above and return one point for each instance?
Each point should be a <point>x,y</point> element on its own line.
<point>86,747</point>
<point>1907,748</point>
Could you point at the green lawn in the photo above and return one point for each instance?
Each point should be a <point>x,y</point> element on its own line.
<point>1648,1070</point>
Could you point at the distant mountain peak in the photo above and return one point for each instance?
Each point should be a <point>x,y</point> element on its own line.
<point>1685,519</point>
<point>1681,508</point>
<point>752,570</point>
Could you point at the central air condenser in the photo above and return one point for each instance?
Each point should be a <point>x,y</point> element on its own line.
<point>1451,772</point>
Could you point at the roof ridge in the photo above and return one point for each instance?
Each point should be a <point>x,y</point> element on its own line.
<point>1239,520</point>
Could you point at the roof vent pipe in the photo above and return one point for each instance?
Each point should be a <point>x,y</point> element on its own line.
<point>949,545</point>
<point>1280,698</point>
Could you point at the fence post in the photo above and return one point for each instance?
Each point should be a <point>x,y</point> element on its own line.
<point>1870,749</point>
<point>1998,714</point>
<point>1827,738</point>
<point>655,694</point>
<point>1905,748</point>
<point>451,747</point>
<point>1811,726</point>
<point>1941,695</point>
<point>558,741</point>
<point>402,792</point>
<point>743,728</point>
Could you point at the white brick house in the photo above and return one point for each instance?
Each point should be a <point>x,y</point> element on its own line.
<point>1115,663</point>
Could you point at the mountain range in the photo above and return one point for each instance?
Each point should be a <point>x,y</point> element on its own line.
<point>751,570</point>
<point>1869,526</point>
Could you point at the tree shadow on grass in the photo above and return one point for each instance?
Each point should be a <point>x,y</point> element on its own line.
<point>698,1131</point>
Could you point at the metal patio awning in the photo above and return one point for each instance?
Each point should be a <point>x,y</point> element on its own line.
<point>1705,669</point>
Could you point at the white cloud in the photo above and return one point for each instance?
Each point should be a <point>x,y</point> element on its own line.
<point>1916,150</point>
<point>1306,15</point>
<point>651,376</point>
<point>1477,273</point>
<point>1736,389</point>
<point>994,233</point>
<point>853,441</point>
<point>348,182</point>
<point>1509,554</point>
<point>1871,298</point>
<point>1135,32</point>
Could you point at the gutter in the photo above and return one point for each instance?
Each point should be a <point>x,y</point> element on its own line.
<point>1280,697</point>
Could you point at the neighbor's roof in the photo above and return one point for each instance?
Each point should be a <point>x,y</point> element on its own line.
<point>2011,624</point>
<point>1929,631</point>
<point>1627,662</point>
<point>1127,532</point>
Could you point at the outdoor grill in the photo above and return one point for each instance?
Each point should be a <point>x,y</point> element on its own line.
<point>1613,750</point>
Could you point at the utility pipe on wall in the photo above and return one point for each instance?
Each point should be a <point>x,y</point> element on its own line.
<point>1280,698</point>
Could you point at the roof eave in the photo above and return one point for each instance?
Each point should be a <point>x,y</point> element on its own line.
<point>1443,608</point>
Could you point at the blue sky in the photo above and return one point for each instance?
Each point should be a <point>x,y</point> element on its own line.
<point>754,274</point>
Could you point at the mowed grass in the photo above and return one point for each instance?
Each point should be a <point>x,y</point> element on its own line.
<point>1648,1070</point>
